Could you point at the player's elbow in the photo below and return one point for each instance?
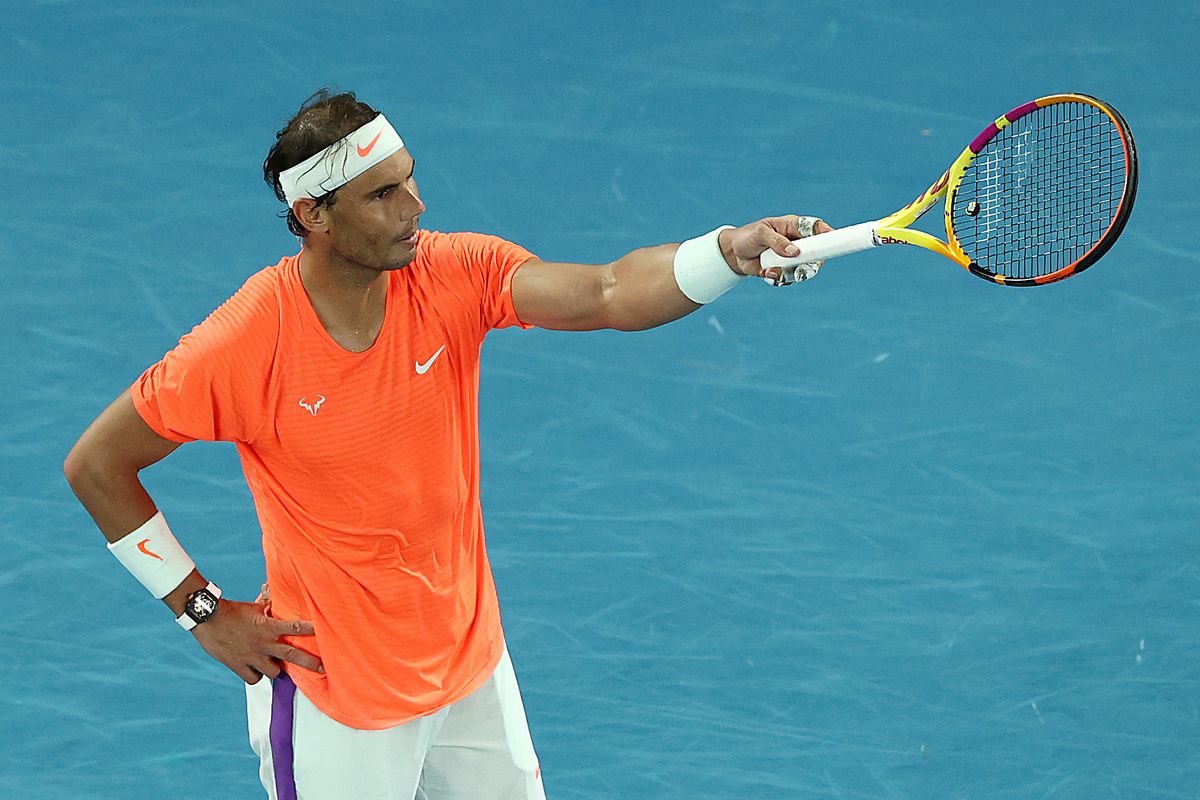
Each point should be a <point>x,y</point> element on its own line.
<point>79,467</point>
<point>90,468</point>
<point>73,465</point>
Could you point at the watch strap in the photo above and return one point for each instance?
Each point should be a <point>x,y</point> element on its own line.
<point>185,619</point>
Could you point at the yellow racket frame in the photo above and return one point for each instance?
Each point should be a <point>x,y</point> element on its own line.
<point>894,229</point>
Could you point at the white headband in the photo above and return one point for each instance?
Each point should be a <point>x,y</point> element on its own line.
<point>341,162</point>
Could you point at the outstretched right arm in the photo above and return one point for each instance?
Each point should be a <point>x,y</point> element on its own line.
<point>102,469</point>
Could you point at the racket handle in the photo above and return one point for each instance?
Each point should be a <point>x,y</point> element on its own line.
<point>840,242</point>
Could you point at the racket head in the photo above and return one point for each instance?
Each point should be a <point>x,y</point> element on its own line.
<point>1043,192</point>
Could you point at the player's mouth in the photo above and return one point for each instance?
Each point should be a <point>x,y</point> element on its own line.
<point>411,240</point>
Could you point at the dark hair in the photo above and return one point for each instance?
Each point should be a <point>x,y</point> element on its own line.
<point>324,118</point>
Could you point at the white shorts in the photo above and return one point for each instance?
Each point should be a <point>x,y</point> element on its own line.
<point>476,749</point>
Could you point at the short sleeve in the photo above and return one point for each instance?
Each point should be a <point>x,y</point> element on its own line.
<point>491,262</point>
<point>215,384</point>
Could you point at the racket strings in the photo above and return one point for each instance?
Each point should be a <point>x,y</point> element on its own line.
<point>1048,187</point>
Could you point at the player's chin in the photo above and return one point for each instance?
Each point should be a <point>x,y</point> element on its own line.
<point>402,253</point>
<point>399,262</point>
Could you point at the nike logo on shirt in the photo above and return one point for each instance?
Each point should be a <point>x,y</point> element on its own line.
<point>423,368</point>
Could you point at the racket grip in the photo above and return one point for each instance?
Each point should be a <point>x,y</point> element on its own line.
<point>840,242</point>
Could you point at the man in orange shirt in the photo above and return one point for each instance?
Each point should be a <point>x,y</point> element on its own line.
<point>347,376</point>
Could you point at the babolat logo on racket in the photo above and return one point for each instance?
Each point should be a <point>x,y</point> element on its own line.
<point>1015,215</point>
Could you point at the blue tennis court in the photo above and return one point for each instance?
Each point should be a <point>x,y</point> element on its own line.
<point>893,533</point>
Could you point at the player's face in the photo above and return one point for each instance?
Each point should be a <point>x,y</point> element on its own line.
<point>374,219</point>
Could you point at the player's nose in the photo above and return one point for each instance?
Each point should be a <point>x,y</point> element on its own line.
<point>415,207</point>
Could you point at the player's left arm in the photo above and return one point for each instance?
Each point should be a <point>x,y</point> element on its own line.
<point>638,290</point>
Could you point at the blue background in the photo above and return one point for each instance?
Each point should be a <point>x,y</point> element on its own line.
<point>894,533</point>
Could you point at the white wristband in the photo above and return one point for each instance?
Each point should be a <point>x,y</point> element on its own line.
<point>700,268</point>
<point>154,556</point>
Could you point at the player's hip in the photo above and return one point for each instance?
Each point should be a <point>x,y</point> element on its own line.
<point>477,747</point>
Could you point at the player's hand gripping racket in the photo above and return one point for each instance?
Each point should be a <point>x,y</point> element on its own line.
<point>1040,195</point>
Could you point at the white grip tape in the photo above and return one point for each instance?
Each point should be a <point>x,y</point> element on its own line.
<point>841,242</point>
<point>154,556</point>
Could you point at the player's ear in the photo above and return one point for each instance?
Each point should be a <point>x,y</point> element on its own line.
<point>312,216</point>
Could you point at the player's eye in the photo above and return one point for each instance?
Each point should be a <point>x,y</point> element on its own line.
<point>384,193</point>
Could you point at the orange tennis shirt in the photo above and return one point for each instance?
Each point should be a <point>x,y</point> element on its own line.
<point>364,468</point>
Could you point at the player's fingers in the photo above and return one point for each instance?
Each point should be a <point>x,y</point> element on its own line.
<point>248,674</point>
<point>779,243</point>
<point>268,667</point>
<point>806,225</point>
<point>785,226</point>
<point>294,655</point>
<point>292,627</point>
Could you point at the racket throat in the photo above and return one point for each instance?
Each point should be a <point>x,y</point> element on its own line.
<point>922,239</point>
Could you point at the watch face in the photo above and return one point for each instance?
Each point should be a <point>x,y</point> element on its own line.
<point>202,605</point>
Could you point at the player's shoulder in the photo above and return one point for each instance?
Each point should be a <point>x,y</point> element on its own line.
<point>262,292</point>
<point>462,246</point>
<point>438,247</point>
<point>250,318</point>
<point>473,252</point>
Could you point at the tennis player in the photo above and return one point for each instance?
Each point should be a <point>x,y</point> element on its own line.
<point>347,376</point>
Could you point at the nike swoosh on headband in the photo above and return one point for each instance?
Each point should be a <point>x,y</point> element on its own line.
<point>363,152</point>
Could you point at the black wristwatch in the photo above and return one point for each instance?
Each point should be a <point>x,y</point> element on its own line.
<point>201,605</point>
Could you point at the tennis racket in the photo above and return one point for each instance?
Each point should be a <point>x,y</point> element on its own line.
<point>1040,195</point>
